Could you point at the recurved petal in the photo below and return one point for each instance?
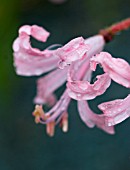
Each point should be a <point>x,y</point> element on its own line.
<point>48,84</point>
<point>83,90</point>
<point>29,65</point>
<point>31,61</point>
<point>116,111</point>
<point>36,31</point>
<point>86,113</point>
<point>72,51</point>
<point>91,119</point>
<point>118,69</point>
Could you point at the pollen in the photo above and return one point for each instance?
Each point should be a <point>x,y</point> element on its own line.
<point>39,114</point>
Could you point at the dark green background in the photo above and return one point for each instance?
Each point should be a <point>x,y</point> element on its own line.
<point>24,145</point>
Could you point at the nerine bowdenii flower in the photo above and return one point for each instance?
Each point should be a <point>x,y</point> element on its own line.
<point>74,63</point>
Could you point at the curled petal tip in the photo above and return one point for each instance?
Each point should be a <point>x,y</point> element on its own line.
<point>32,61</point>
<point>83,90</point>
<point>25,29</point>
<point>36,31</point>
<point>117,69</point>
<point>39,33</point>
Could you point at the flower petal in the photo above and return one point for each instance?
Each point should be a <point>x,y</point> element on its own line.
<point>96,44</point>
<point>31,61</point>
<point>118,69</point>
<point>91,119</point>
<point>116,111</point>
<point>72,51</point>
<point>37,32</point>
<point>83,90</point>
<point>48,84</point>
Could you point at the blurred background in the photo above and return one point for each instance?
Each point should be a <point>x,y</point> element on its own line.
<point>25,145</point>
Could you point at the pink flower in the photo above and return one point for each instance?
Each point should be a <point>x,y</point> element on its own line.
<point>116,111</point>
<point>31,61</point>
<point>73,62</point>
<point>58,113</point>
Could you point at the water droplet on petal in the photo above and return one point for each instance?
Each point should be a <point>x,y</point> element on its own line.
<point>109,124</point>
<point>114,112</point>
<point>78,95</point>
<point>62,64</point>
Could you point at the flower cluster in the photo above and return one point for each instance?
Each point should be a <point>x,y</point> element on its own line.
<point>72,63</point>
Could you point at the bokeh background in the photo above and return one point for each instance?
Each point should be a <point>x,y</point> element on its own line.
<point>23,144</point>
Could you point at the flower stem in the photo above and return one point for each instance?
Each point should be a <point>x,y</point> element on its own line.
<point>109,32</point>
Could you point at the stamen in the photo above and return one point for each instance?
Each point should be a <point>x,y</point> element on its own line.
<point>39,113</point>
<point>50,128</point>
<point>64,122</point>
